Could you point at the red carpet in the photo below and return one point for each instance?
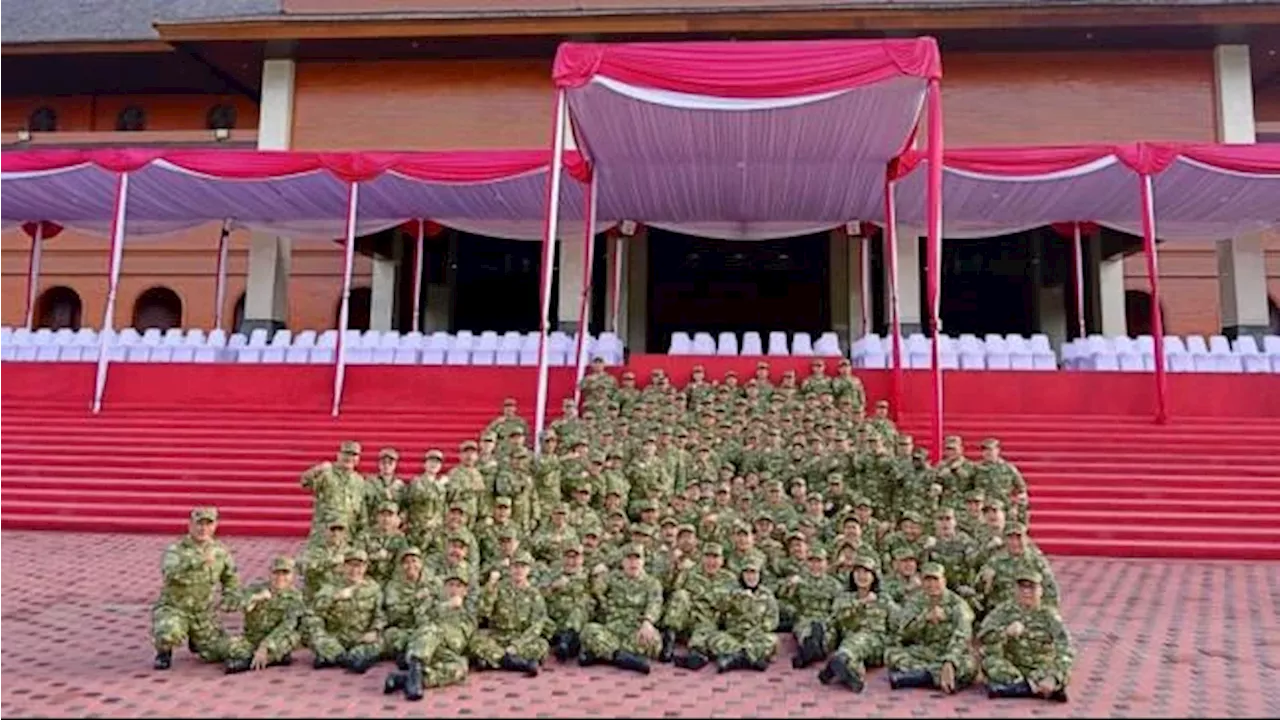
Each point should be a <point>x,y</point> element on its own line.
<point>238,437</point>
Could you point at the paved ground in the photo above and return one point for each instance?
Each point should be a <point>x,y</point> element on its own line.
<point>1155,639</point>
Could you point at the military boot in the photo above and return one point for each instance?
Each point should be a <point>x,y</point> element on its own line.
<point>842,673</point>
<point>694,660</point>
<point>285,661</point>
<point>322,664</point>
<point>629,661</point>
<point>360,664</point>
<point>560,645</point>
<point>515,664</point>
<point>394,683</point>
<point>164,660</point>
<point>668,646</point>
<point>413,680</point>
<point>587,659</point>
<point>238,665</point>
<point>402,662</point>
<point>1020,689</point>
<point>899,679</point>
<point>727,663</point>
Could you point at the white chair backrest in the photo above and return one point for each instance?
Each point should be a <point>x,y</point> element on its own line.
<point>328,339</point>
<point>680,342</point>
<point>1173,345</point>
<point>238,340</point>
<point>1196,345</point>
<point>1123,345</point>
<point>1219,345</point>
<point>1271,343</point>
<point>258,337</point>
<point>128,336</point>
<point>194,338</point>
<point>218,337</point>
<point>1040,343</point>
<point>282,338</point>
<point>1246,345</point>
<point>176,336</point>
<point>305,339</point>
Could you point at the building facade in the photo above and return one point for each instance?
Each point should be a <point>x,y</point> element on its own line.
<point>442,74</point>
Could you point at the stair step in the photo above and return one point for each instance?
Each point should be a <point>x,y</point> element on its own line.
<point>1042,503</point>
<point>1179,549</point>
<point>1189,533</point>
<point>168,511</point>
<point>167,526</point>
<point>1126,517</point>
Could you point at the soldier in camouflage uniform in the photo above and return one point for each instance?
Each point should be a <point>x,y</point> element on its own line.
<point>410,587</point>
<point>599,387</point>
<point>193,569</point>
<point>383,486</point>
<point>694,604</point>
<point>862,619</point>
<point>347,619</point>
<point>515,618</point>
<point>954,473</point>
<point>629,607</point>
<point>846,385</point>
<point>567,590</point>
<point>489,531</point>
<point>339,491</point>
<point>997,477</point>
<point>424,500</point>
<point>904,582</point>
<point>813,599</point>
<point>1026,649</point>
<point>468,484</point>
<point>554,535</point>
<point>509,420</point>
<point>817,383</point>
<point>384,543</point>
<point>997,580</point>
<point>931,645</point>
<point>516,481</point>
<point>273,614</point>
<point>954,550</point>
<point>437,652</point>
<point>748,615</point>
<point>322,563</point>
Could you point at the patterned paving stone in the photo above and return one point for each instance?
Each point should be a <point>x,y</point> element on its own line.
<point>1154,639</point>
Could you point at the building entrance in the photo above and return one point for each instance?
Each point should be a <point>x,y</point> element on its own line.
<point>698,284</point>
<point>496,283</point>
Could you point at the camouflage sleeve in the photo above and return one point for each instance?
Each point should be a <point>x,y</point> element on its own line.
<point>770,619</point>
<point>379,612</point>
<point>176,562</point>
<point>310,476</point>
<point>991,631</point>
<point>1064,648</point>
<point>959,644</point>
<point>230,581</point>
<point>286,630</point>
<point>323,600</point>
<point>539,621</point>
<point>653,601</point>
<point>911,622</point>
<point>1049,583</point>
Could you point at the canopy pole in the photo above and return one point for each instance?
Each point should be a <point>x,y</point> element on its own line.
<point>1077,253</point>
<point>895,320</point>
<point>584,305</point>
<point>417,274</point>
<point>864,285</point>
<point>220,284</point>
<point>551,228</point>
<point>934,248</point>
<point>615,278</point>
<point>33,274</point>
<point>113,283</point>
<point>344,313</point>
<point>1153,276</point>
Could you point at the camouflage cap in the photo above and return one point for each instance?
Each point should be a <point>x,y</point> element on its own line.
<point>1015,528</point>
<point>634,549</point>
<point>1029,575</point>
<point>508,531</point>
<point>435,454</point>
<point>713,548</point>
<point>669,520</point>
<point>818,553</point>
<point>993,504</point>
<point>389,507</point>
<point>349,447</point>
<point>464,446</point>
<point>796,535</point>
<point>920,453</point>
<point>647,505</point>
<point>459,538</point>
<point>282,563</point>
<point>882,403</point>
<point>953,441</point>
<point>356,555</point>
<point>514,431</point>
<point>642,529</point>
<point>945,512</point>
<point>974,496</point>
<point>574,547</point>
<point>410,551</point>
<point>523,558</point>
<point>502,501</point>
<point>457,506</point>
<point>764,516</point>
<point>741,527</point>
<point>336,521</point>
<point>905,552</point>
<point>863,501</point>
<point>845,362</point>
<point>752,563</point>
<point>509,402</point>
<point>204,514</point>
<point>868,562</point>
<point>990,443</point>
<point>913,516</point>
<point>934,570</point>
<point>589,529</point>
<point>558,509</point>
<point>489,436</point>
<point>686,528</point>
<point>457,576</point>
<point>389,452</point>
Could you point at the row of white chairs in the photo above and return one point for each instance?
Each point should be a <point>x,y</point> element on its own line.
<point>966,352</point>
<point>371,347</point>
<point>726,343</point>
<point>1182,354</point>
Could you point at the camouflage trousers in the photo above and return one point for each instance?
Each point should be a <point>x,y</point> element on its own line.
<point>567,618</point>
<point>489,646</point>
<point>603,641</point>
<point>330,646</point>
<point>241,647</point>
<point>786,615</point>
<point>443,656</point>
<point>922,657</point>
<point>700,638</point>
<point>1003,671</point>
<point>802,628</point>
<point>395,640</point>
<point>202,630</point>
<point>861,650</point>
<point>757,645</point>
<point>682,614</point>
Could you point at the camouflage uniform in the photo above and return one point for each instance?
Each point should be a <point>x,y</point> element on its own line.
<point>748,616</point>
<point>692,609</point>
<point>401,600</point>
<point>1041,650</point>
<point>322,562</point>
<point>623,604</point>
<point>342,615</point>
<point>437,653</point>
<point>570,605</point>
<point>271,623</point>
<point>922,647</point>
<point>338,493</point>
<point>186,610</point>
<point>380,489</point>
<point>424,501</point>
<point>812,599</point>
<point>516,619</point>
<point>863,624</point>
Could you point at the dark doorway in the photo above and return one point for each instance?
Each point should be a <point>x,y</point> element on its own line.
<point>1137,312</point>
<point>990,285</point>
<point>57,308</point>
<point>697,284</point>
<point>158,307</point>
<point>496,284</point>
<point>358,309</point>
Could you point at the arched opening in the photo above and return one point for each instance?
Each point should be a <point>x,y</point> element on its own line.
<point>43,119</point>
<point>358,317</point>
<point>57,308</point>
<point>158,307</point>
<point>131,119</point>
<point>221,117</point>
<point>1137,312</point>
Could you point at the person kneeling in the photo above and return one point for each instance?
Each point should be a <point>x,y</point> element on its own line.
<point>1026,649</point>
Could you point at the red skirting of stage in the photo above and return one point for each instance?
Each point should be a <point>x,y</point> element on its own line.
<point>423,388</point>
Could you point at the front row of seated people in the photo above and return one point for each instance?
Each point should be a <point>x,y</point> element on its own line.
<point>468,586</point>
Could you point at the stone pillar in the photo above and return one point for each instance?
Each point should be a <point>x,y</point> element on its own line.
<point>909,309</point>
<point>266,303</point>
<point>382,291</point>
<point>1242,269</point>
<point>616,255</point>
<point>635,300</point>
<point>570,258</point>
<point>1110,292</point>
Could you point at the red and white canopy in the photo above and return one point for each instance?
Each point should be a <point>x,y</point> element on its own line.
<point>301,194</point>
<point>1200,192</point>
<point>743,137</point>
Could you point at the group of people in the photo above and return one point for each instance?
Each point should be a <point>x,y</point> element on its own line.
<point>686,525</point>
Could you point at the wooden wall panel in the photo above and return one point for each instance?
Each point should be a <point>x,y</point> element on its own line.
<point>98,113</point>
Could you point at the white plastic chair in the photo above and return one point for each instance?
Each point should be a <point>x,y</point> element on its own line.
<point>802,344</point>
<point>435,347</point>
<point>827,344</point>
<point>1020,355</point>
<point>727,344</point>
<point>703,344</point>
<point>459,351</point>
<point>997,352</point>
<point>751,343</point>
<point>680,344</point>
<point>778,343</point>
<point>1176,358</point>
<point>529,349</point>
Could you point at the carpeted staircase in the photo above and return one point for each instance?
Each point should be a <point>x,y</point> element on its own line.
<point>1099,486</point>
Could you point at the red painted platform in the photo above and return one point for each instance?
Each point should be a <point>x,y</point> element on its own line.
<point>172,436</point>
<point>1153,639</point>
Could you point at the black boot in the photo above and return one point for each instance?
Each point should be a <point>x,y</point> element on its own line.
<point>575,643</point>
<point>322,664</point>
<point>285,661</point>
<point>899,679</point>
<point>826,674</point>
<point>164,660</point>
<point>402,662</point>
<point>586,659</point>
<point>628,661</point>
<point>668,646</point>
<point>694,660</point>
<point>516,664</point>
<point>758,665</point>
<point>842,673</point>
<point>1020,689</point>
<point>394,683</point>
<point>727,663</point>
<point>237,666</point>
<point>1059,695</point>
<point>413,680</point>
<point>560,645</point>
<point>360,664</point>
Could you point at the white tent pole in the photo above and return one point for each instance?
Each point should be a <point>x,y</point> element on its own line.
<point>220,285</point>
<point>344,314</point>
<point>113,282</point>
<point>615,297</point>
<point>865,286</point>
<point>552,227</point>
<point>33,274</point>
<point>1078,254</point>
<point>417,274</point>
<point>584,305</point>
